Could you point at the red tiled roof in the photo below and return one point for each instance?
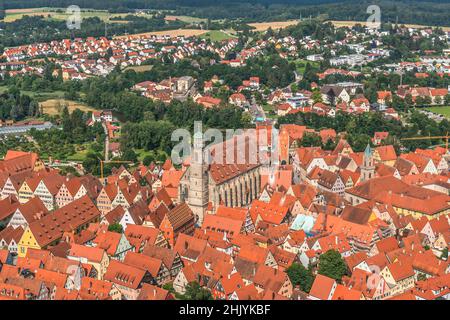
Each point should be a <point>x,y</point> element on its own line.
<point>321,287</point>
<point>268,212</point>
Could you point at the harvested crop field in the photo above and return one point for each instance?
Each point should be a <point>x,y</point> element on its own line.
<point>54,107</point>
<point>263,26</point>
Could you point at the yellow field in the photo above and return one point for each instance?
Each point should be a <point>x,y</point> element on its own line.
<point>54,107</point>
<point>263,26</point>
<point>340,24</point>
<point>171,33</point>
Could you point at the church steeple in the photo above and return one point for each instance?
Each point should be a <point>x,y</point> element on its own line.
<point>198,177</point>
<point>368,166</point>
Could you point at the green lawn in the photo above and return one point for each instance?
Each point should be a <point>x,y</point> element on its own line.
<point>39,96</point>
<point>267,107</point>
<point>217,35</point>
<point>78,156</point>
<point>141,153</point>
<point>301,65</point>
<point>43,96</point>
<point>189,19</point>
<point>445,110</point>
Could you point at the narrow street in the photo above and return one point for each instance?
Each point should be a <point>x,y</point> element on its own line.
<point>106,156</point>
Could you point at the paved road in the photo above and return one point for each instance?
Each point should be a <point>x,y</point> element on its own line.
<point>106,142</point>
<point>256,110</point>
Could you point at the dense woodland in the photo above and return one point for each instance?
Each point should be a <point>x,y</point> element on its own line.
<point>432,12</point>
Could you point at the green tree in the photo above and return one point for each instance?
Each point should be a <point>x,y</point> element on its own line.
<point>332,265</point>
<point>447,99</point>
<point>65,117</point>
<point>316,96</point>
<point>300,276</point>
<point>329,145</point>
<point>409,101</point>
<point>128,154</point>
<point>421,277</point>
<point>148,159</point>
<point>115,227</point>
<point>195,292</point>
<point>444,255</point>
<point>311,140</point>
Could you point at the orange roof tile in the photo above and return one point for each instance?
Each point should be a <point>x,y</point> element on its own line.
<point>322,287</point>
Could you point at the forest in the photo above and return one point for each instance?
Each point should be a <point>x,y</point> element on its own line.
<point>431,12</point>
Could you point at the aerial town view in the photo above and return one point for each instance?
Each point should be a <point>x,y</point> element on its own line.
<point>252,150</point>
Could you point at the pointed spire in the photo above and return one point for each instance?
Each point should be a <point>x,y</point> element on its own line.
<point>368,151</point>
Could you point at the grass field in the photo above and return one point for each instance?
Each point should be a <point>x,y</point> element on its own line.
<point>39,96</point>
<point>445,110</point>
<point>186,19</point>
<point>54,107</point>
<point>51,102</point>
<point>170,33</point>
<point>59,14</point>
<point>301,65</point>
<point>141,153</point>
<point>80,155</point>
<point>217,35</point>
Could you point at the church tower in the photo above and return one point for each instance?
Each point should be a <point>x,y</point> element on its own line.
<point>368,166</point>
<point>198,180</point>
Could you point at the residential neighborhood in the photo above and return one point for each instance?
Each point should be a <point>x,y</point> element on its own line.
<point>110,191</point>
